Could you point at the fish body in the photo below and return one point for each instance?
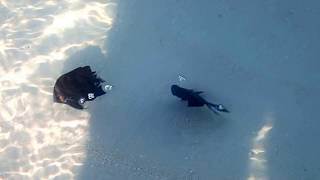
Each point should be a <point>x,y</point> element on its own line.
<point>77,86</point>
<point>194,98</point>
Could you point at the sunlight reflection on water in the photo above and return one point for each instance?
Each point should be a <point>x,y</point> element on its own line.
<point>39,139</point>
<point>258,163</point>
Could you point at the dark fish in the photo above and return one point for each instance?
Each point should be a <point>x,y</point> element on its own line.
<point>194,99</point>
<point>77,86</point>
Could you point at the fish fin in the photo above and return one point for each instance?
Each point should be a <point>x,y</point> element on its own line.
<point>183,99</point>
<point>74,104</point>
<point>194,103</point>
<point>212,109</point>
<point>189,103</point>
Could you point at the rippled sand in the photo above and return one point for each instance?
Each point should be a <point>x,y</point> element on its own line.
<point>39,139</point>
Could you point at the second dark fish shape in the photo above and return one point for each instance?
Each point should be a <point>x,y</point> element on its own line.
<point>194,99</point>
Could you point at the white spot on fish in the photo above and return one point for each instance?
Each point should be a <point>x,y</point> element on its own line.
<point>107,87</point>
<point>81,101</point>
<point>90,96</point>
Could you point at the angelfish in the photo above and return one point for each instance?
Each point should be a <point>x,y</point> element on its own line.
<point>194,99</point>
<point>78,86</point>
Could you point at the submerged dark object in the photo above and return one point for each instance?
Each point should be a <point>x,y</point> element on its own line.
<point>194,99</point>
<point>77,86</point>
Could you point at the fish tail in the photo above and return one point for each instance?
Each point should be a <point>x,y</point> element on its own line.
<point>216,107</point>
<point>211,107</point>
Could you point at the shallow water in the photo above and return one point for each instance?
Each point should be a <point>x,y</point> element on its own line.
<point>39,139</point>
<point>259,59</point>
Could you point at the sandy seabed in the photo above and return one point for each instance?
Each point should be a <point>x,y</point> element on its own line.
<point>259,59</point>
